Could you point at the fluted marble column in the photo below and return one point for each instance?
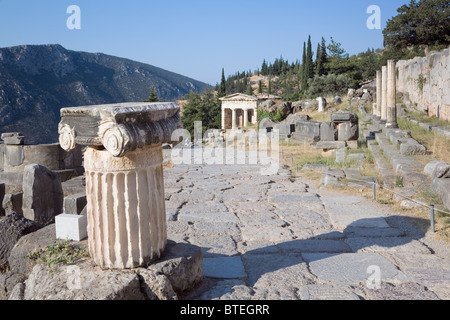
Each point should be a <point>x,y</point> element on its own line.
<point>379,94</point>
<point>234,119</point>
<point>126,207</point>
<point>245,117</point>
<point>383,94</point>
<point>124,178</point>
<point>391,110</point>
<point>223,119</point>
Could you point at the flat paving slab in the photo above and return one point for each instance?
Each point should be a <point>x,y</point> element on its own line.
<point>351,267</point>
<point>224,268</point>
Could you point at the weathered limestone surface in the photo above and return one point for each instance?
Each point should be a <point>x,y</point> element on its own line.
<point>12,228</point>
<point>12,202</point>
<point>42,194</point>
<point>307,129</point>
<point>425,81</point>
<point>2,196</point>
<point>174,276</point>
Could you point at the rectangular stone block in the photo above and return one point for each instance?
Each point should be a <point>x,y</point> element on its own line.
<point>328,131</point>
<point>308,129</point>
<point>329,145</point>
<point>14,155</point>
<point>71,227</point>
<point>353,144</point>
<point>75,204</point>
<point>348,131</point>
<point>12,202</point>
<point>285,129</point>
<point>344,116</point>
<point>13,138</point>
<point>304,138</point>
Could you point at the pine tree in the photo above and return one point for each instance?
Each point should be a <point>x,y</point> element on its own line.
<point>153,97</point>
<point>222,88</point>
<point>264,68</point>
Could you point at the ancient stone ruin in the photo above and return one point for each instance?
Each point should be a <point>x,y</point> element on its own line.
<point>32,177</point>
<point>124,177</point>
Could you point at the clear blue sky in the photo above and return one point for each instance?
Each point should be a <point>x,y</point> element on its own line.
<point>196,38</point>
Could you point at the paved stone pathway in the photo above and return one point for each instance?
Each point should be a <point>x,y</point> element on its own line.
<point>271,237</point>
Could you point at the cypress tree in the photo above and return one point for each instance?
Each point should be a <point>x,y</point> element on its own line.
<point>223,87</point>
<point>269,89</point>
<point>309,60</point>
<point>303,72</point>
<point>249,89</point>
<point>319,64</point>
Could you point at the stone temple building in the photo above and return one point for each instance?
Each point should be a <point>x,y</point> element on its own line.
<point>238,110</point>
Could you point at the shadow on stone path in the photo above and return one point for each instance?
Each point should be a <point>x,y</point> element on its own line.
<point>271,237</point>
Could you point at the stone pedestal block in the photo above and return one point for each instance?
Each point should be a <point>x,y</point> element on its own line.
<point>71,227</point>
<point>13,138</point>
<point>74,204</point>
<point>126,207</point>
<point>322,104</point>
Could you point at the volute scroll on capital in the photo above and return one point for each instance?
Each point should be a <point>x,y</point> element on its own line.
<point>119,128</point>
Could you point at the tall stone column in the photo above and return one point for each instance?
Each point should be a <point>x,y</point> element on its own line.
<point>234,119</point>
<point>124,178</point>
<point>391,114</point>
<point>245,118</point>
<point>379,94</point>
<point>383,94</point>
<point>223,119</point>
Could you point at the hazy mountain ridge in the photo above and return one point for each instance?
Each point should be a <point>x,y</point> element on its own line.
<point>37,81</point>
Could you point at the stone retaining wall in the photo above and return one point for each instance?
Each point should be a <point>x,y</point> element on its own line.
<point>425,82</point>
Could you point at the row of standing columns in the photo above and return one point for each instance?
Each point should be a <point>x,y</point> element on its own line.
<point>234,118</point>
<point>385,107</point>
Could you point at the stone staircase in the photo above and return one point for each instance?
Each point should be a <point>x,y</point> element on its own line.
<point>393,163</point>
